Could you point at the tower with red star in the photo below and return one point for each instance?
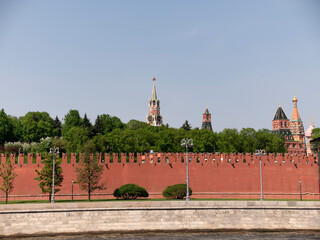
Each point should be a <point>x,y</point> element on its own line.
<point>154,118</point>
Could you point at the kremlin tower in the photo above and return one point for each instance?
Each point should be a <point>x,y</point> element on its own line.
<point>154,118</point>
<point>206,120</point>
<point>281,125</point>
<point>296,125</point>
<point>292,131</point>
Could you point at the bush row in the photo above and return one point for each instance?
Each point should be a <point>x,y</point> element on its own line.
<point>133,191</point>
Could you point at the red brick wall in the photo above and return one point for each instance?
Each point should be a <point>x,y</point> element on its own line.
<point>211,175</point>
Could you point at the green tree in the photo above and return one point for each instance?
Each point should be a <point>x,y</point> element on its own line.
<point>177,191</point>
<point>98,128</point>
<point>16,128</point>
<point>269,141</point>
<point>36,125</point>
<point>135,124</point>
<point>45,176</point>
<point>89,172</point>
<point>88,126</point>
<point>315,133</point>
<point>8,175</point>
<point>229,141</point>
<point>101,143</point>
<point>110,123</point>
<point>165,141</point>
<point>60,143</point>
<point>72,119</point>
<point>186,126</point>
<point>248,138</point>
<point>204,140</point>
<point>76,137</point>
<point>6,128</point>
<point>315,146</point>
<point>57,127</point>
<point>130,191</point>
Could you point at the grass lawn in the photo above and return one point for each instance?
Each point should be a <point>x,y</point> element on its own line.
<point>148,199</point>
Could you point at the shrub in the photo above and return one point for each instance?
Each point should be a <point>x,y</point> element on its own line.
<point>177,191</point>
<point>130,191</point>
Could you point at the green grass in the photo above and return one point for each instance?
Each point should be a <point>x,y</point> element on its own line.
<point>148,199</point>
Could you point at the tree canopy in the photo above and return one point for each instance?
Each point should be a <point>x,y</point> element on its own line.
<point>315,133</point>
<point>36,125</point>
<point>6,127</point>
<point>110,134</point>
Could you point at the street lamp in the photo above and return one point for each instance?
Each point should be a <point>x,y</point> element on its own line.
<point>261,152</point>
<point>72,182</point>
<point>300,190</point>
<point>187,143</point>
<point>53,151</point>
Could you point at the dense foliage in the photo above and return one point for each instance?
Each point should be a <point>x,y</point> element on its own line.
<point>130,191</point>
<point>37,132</point>
<point>315,144</point>
<point>177,191</point>
<point>315,133</point>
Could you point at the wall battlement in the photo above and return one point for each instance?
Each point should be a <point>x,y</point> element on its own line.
<point>170,158</point>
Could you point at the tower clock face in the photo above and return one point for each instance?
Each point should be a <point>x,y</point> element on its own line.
<point>159,119</point>
<point>150,118</point>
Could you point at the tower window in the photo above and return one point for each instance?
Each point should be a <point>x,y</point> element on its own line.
<point>207,117</point>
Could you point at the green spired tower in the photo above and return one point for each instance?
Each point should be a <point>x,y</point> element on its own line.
<point>206,120</point>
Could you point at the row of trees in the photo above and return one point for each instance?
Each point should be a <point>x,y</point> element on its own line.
<point>37,132</point>
<point>133,191</point>
<point>89,173</point>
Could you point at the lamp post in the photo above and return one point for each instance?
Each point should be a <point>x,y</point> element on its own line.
<point>300,190</point>
<point>53,151</point>
<point>187,143</point>
<point>72,182</point>
<point>261,152</point>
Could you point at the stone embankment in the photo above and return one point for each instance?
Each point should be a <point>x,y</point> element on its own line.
<point>42,219</point>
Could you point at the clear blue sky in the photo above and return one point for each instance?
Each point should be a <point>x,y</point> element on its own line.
<point>240,58</point>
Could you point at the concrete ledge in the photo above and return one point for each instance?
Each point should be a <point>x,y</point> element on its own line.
<point>33,219</point>
<point>160,204</point>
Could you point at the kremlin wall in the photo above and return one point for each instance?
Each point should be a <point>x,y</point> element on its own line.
<point>211,175</point>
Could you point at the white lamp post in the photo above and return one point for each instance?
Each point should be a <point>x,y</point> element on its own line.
<point>261,152</point>
<point>187,143</point>
<point>53,151</point>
